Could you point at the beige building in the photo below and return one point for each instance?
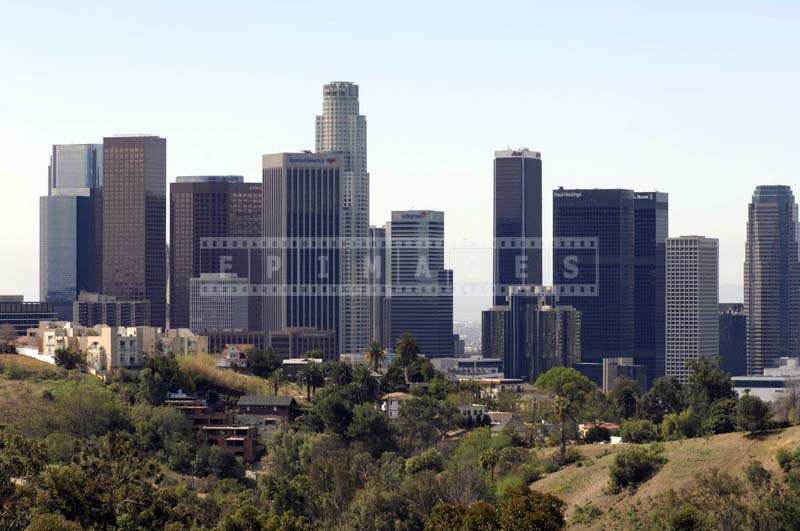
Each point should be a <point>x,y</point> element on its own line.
<point>108,348</point>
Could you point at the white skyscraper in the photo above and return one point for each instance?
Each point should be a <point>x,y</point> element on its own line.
<point>342,129</point>
<point>692,302</point>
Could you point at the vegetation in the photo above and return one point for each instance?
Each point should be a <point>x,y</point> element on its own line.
<point>634,465</point>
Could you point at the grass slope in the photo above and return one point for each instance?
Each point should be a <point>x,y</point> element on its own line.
<point>579,485</point>
<point>203,368</point>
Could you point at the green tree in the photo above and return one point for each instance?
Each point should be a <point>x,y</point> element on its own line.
<point>262,363</point>
<point>721,417</point>
<point>571,390</point>
<point>338,373</point>
<point>162,375</point>
<point>707,384</point>
<point>481,516</point>
<point>375,355</point>
<point>446,517</point>
<point>488,460</point>
<point>311,376</point>
<point>624,397</point>
<point>68,359</point>
<point>523,509</point>
<point>665,397</point>
<point>424,421</point>
<point>638,431</point>
<point>633,465</point>
<point>752,413</point>
<point>407,352</point>
<point>276,379</point>
<point>372,429</point>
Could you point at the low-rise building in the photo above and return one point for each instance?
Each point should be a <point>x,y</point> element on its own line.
<point>390,403</point>
<point>234,357</point>
<point>199,412</point>
<point>774,383</point>
<point>111,348</point>
<point>292,366</point>
<point>241,440</point>
<point>283,408</point>
<point>93,309</point>
<point>471,368</point>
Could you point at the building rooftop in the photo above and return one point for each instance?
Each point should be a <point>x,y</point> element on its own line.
<point>266,400</point>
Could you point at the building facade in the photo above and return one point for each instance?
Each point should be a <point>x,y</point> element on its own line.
<point>219,207</point>
<point>297,342</point>
<point>341,129</point>
<point>594,267</point>
<point>134,221</point>
<point>94,309</point>
<point>772,278</point>
<point>302,230</point>
<point>377,281</point>
<point>420,290</point>
<point>651,221</point>
<point>20,315</point>
<point>218,301</point>
<point>733,338</point>
<point>69,250</point>
<point>692,302</point>
<point>517,220</point>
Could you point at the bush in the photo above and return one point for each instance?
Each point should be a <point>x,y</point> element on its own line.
<point>638,431</point>
<point>682,425</point>
<point>752,414</point>
<point>586,514</point>
<point>597,434</point>
<point>68,359</point>
<point>634,465</point>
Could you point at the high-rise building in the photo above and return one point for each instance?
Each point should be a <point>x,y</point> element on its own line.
<point>68,243</point>
<point>594,267</point>
<point>772,278</point>
<point>218,301</point>
<point>494,323</point>
<point>17,313</point>
<point>517,220</point>
<point>733,338</point>
<point>420,290</point>
<point>341,129</point>
<point>540,334</point>
<point>302,229</point>
<point>134,221</point>
<point>692,302</point>
<point>202,209</point>
<point>376,280</point>
<point>651,217</point>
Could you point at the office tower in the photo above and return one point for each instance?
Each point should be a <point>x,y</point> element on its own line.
<point>134,221</point>
<point>692,302</point>
<point>517,220</point>
<point>733,338</point>
<point>376,281</point>
<point>341,129</point>
<point>650,235</point>
<point>298,341</point>
<point>616,368</point>
<point>420,293</point>
<point>771,278</point>
<point>302,227</point>
<point>594,267</point>
<point>93,309</point>
<point>540,335</point>
<point>21,315</point>
<point>218,301</point>
<point>494,323</point>
<point>205,211</point>
<point>68,243</point>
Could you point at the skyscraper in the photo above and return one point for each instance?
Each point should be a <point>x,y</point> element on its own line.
<point>134,221</point>
<point>420,290</point>
<point>517,220</point>
<point>651,217</point>
<point>302,227</point>
<point>213,206</point>
<point>772,278</point>
<point>594,267</point>
<point>692,302</point>
<point>733,338</point>
<point>341,129</point>
<point>68,244</point>
<point>376,275</point>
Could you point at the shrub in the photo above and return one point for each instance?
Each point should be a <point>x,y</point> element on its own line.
<point>752,414</point>
<point>586,514</point>
<point>597,434</point>
<point>638,431</point>
<point>522,508</point>
<point>634,465</point>
<point>682,425</point>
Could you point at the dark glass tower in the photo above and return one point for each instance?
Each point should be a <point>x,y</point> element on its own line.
<point>733,338</point>
<point>517,220</point>
<point>594,267</point>
<point>771,278</point>
<point>134,221</point>
<point>68,243</point>
<point>218,206</point>
<point>420,296</point>
<point>302,228</point>
<point>651,227</point>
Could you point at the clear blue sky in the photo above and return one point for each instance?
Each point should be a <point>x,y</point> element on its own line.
<point>700,102</point>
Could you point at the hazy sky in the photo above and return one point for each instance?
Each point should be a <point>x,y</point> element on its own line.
<point>701,103</point>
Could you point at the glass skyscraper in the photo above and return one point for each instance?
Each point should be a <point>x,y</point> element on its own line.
<point>69,245</point>
<point>517,220</point>
<point>772,278</point>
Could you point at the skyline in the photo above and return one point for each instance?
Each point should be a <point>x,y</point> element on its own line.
<point>621,105</point>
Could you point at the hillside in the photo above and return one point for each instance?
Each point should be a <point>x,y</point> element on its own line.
<point>586,482</point>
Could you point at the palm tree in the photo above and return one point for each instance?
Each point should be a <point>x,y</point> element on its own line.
<point>375,355</point>
<point>311,376</point>
<point>276,378</point>
<point>407,350</point>
<point>488,460</point>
